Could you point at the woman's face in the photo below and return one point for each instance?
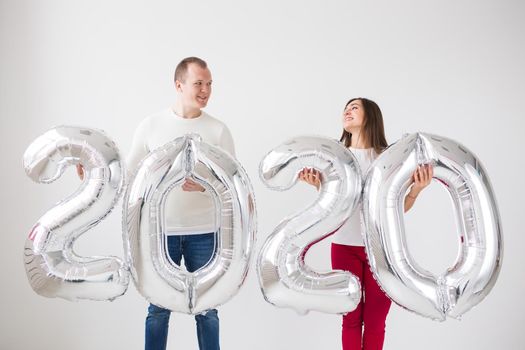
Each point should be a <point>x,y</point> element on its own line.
<point>353,116</point>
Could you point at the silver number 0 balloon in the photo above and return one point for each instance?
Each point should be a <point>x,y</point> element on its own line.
<point>161,282</point>
<point>285,279</point>
<point>52,267</point>
<point>478,263</point>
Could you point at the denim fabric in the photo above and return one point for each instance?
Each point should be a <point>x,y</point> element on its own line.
<point>197,250</point>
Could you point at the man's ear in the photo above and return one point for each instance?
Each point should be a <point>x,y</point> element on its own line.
<point>178,85</point>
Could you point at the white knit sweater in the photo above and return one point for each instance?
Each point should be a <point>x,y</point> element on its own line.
<point>195,210</point>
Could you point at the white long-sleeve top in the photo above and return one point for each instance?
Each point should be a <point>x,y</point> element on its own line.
<point>352,231</point>
<point>195,210</point>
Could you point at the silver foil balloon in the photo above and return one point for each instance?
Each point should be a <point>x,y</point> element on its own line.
<point>53,269</point>
<point>285,279</point>
<point>478,263</point>
<point>157,279</point>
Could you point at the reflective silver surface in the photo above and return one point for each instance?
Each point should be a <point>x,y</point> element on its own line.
<point>478,263</point>
<point>157,279</point>
<point>285,279</point>
<point>53,269</point>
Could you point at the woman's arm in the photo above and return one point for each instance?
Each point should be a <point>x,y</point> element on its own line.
<point>420,179</point>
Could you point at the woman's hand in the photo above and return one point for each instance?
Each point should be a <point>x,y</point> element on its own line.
<point>311,177</point>
<point>191,186</point>
<point>420,179</point>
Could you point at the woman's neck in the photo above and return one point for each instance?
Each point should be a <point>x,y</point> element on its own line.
<point>358,140</point>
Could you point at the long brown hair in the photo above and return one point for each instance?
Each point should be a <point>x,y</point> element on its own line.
<point>373,128</point>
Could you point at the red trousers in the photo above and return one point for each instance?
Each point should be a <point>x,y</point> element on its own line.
<point>371,312</point>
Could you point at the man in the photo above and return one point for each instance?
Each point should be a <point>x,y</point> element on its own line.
<point>191,235</point>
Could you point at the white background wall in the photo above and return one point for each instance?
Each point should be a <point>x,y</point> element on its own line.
<point>280,69</point>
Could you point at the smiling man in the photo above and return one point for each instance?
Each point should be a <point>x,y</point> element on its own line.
<point>192,233</point>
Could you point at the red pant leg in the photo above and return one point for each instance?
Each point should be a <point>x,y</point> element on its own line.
<point>375,309</point>
<point>345,258</point>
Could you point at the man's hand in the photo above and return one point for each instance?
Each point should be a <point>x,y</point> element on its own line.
<point>191,186</point>
<point>80,171</point>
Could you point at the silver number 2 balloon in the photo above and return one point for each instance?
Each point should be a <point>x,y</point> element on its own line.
<point>157,279</point>
<point>285,279</point>
<point>478,263</point>
<point>53,269</point>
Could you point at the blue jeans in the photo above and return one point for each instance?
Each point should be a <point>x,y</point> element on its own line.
<point>197,251</point>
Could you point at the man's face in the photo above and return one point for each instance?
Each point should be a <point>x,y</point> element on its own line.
<point>195,90</point>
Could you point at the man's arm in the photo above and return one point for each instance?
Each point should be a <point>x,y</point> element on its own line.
<point>138,151</point>
<point>227,141</point>
<point>139,148</point>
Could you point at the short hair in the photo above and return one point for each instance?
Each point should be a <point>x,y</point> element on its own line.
<point>182,67</point>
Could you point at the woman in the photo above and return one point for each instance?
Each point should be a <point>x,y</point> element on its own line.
<point>363,133</point>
